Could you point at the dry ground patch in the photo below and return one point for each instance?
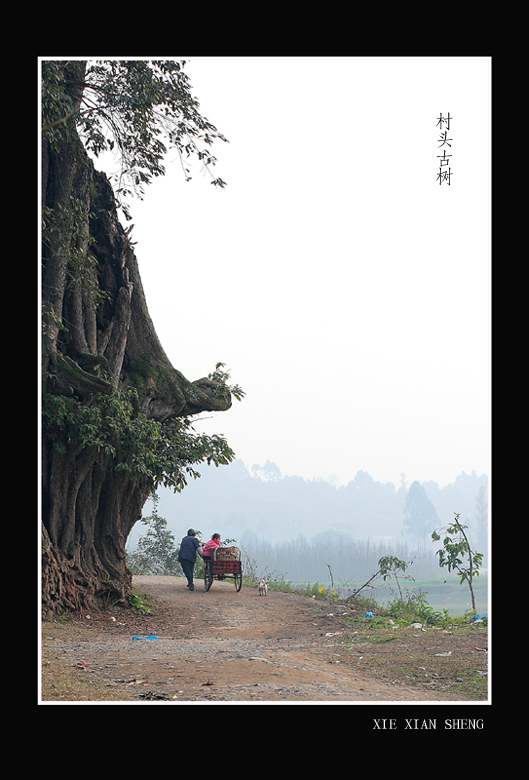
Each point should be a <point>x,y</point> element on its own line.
<point>224,646</point>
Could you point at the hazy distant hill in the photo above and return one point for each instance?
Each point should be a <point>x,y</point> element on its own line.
<point>237,502</point>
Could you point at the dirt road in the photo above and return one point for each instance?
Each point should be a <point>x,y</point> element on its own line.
<point>221,646</point>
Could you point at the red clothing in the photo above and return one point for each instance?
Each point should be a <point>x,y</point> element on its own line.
<point>209,546</point>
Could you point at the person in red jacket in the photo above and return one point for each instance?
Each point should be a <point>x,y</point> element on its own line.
<point>208,548</point>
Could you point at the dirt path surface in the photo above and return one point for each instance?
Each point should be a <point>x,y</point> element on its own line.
<point>224,646</point>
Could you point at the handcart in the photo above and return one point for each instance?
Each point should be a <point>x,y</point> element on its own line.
<point>221,568</point>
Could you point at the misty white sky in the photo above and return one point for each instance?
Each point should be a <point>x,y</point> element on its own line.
<point>345,289</point>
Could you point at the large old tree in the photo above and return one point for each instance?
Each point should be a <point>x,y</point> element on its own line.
<point>116,413</point>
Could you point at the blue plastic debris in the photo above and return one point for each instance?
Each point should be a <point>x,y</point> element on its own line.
<point>151,636</point>
<point>369,614</point>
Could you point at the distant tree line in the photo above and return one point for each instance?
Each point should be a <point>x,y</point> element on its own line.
<point>259,507</point>
<point>351,561</point>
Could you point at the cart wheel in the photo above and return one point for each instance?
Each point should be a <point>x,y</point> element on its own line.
<point>238,581</point>
<point>208,578</point>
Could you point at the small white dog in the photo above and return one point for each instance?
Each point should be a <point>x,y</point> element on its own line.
<point>263,588</point>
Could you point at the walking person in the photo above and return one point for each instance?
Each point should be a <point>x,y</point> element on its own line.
<point>187,555</point>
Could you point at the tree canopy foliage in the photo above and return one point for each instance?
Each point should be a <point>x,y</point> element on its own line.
<point>136,108</point>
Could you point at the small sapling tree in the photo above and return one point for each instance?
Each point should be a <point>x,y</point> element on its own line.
<point>156,552</point>
<point>389,566</point>
<point>457,554</point>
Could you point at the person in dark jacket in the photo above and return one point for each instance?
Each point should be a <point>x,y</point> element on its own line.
<point>187,555</point>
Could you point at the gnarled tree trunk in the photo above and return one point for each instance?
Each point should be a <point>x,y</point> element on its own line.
<point>97,337</point>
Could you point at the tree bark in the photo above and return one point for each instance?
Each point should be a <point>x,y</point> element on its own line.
<point>97,337</point>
